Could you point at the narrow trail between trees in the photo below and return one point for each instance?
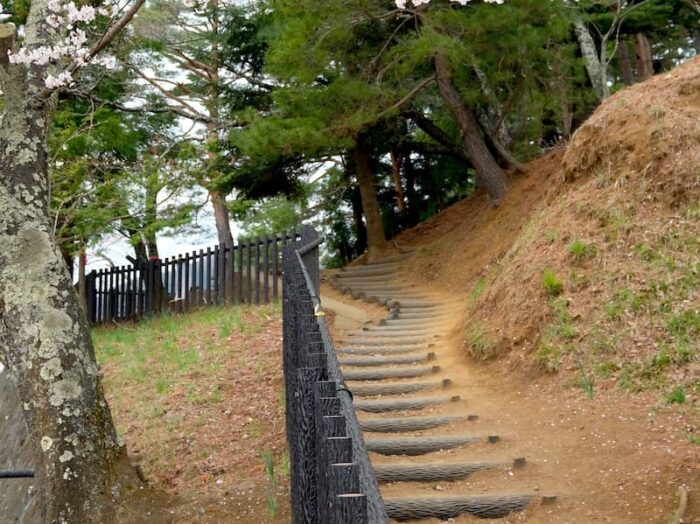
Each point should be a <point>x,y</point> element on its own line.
<point>432,452</point>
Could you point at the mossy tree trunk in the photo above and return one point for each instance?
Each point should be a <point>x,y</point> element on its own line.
<point>44,337</point>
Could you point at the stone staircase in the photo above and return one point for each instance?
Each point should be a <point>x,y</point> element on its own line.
<point>414,427</point>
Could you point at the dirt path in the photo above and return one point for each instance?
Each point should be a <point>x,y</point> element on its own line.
<point>608,460</point>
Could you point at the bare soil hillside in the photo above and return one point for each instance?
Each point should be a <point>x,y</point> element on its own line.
<point>587,278</point>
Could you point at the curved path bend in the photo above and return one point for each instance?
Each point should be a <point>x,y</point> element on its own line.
<point>432,456</point>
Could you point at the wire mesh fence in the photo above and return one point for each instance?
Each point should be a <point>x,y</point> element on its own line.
<point>332,478</point>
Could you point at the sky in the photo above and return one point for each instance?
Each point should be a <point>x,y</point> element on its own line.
<point>116,247</point>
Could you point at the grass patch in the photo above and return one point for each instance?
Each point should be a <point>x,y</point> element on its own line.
<point>563,328</point>
<point>676,396</point>
<point>476,290</point>
<point>174,384</point>
<point>479,343</point>
<point>552,283</point>
<point>586,381</point>
<point>685,325</point>
<point>548,356</point>
<point>580,249</point>
<point>606,369</point>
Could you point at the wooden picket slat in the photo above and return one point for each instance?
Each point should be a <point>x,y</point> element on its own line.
<point>256,289</point>
<point>239,278</point>
<point>249,276</point>
<point>266,269</point>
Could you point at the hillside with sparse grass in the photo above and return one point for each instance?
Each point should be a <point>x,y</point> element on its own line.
<point>199,400</point>
<point>590,269</point>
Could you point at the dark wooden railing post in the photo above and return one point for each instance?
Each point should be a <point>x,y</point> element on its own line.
<point>150,271</point>
<point>91,296</point>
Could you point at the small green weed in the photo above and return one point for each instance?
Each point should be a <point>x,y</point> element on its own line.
<point>694,439</point>
<point>684,352</point>
<point>685,325</point>
<point>647,253</point>
<point>661,360</point>
<point>186,359</point>
<point>564,327</point>
<point>550,236</point>
<point>580,249</point>
<point>216,397</point>
<point>476,290</point>
<point>627,380</point>
<point>606,369</point>
<point>162,385</point>
<point>657,112</point>
<point>478,342</point>
<point>586,381</point>
<point>676,396</point>
<point>692,212</point>
<point>269,461</point>
<point>552,283</point>
<point>548,356</point>
<point>254,429</point>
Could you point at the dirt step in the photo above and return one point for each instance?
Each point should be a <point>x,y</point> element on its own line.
<point>381,374</point>
<point>388,347</point>
<point>426,323</point>
<point>369,267</point>
<point>408,328</point>
<point>402,404</point>
<point>346,279</point>
<point>379,294</point>
<point>369,272</point>
<point>378,351</point>
<point>396,342</point>
<point>401,388</point>
<point>421,445</point>
<point>402,424</point>
<point>433,471</point>
<point>381,287</point>
<point>377,333</point>
<point>388,361</point>
<point>404,315</point>
<point>379,284</point>
<point>485,506</point>
<point>424,305</point>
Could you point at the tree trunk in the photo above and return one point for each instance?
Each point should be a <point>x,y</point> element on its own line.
<point>396,159</point>
<point>623,60</point>
<point>68,259</point>
<point>221,216</point>
<point>696,41</point>
<point>595,67</point>
<point>492,115</point>
<point>150,219</point>
<point>488,173</point>
<point>645,64</point>
<point>44,336</point>
<point>561,86</point>
<point>376,239</point>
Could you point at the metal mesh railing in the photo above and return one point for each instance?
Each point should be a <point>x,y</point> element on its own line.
<point>332,478</point>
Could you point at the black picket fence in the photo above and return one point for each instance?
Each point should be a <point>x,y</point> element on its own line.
<point>246,273</point>
<point>332,480</point>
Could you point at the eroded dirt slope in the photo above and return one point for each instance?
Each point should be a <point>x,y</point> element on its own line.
<point>584,286</point>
